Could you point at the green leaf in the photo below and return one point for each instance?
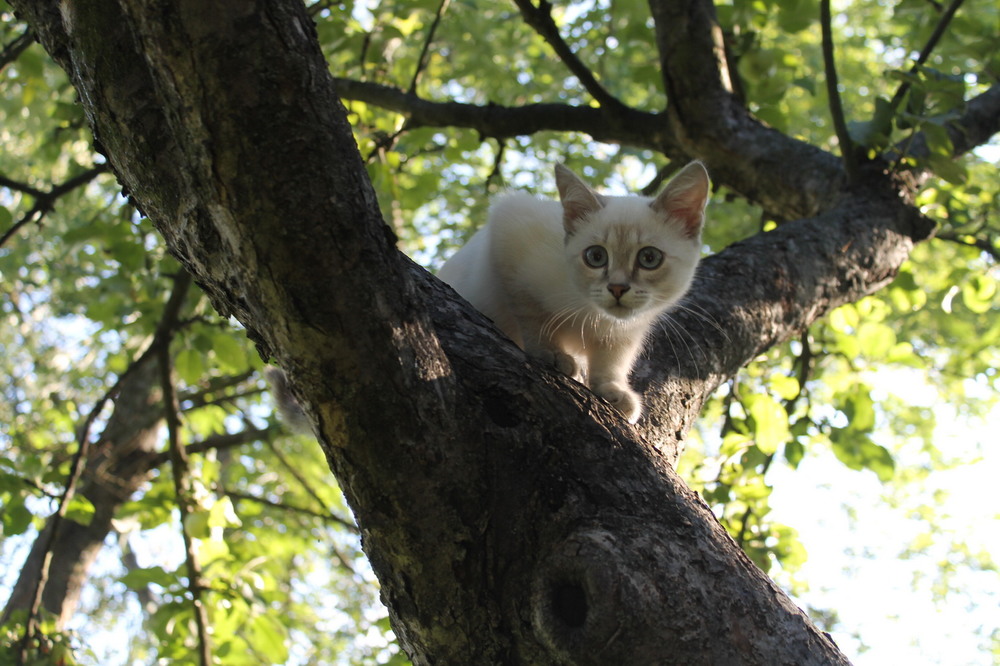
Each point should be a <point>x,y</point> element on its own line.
<point>222,514</point>
<point>857,451</point>
<point>858,407</point>
<point>787,388</point>
<point>190,365</point>
<point>938,141</point>
<point>197,524</point>
<point>878,459</point>
<point>769,422</point>
<point>873,133</point>
<point>80,510</point>
<point>794,452</point>
<point>876,340</point>
<point>16,518</point>
<point>733,444</point>
<point>268,638</point>
<point>136,579</point>
<point>229,352</point>
<point>978,293</point>
<point>796,15</point>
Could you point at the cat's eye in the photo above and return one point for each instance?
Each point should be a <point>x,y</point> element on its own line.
<point>595,256</point>
<point>649,258</point>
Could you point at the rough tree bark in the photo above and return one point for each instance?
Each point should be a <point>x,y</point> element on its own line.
<point>510,515</point>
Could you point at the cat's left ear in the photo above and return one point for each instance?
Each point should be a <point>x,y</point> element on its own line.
<point>578,200</point>
<point>685,198</point>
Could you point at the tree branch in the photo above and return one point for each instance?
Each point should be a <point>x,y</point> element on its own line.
<point>14,48</point>
<point>218,443</point>
<point>925,52</point>
<point>982,244</point>
<point>422,59</point>
<point>45,201</point>
<point>540,18</point>
<point>183,488</point>
<point>711,123</point>
<point>637,128</point>
<point>78,466</point>
<point>284,506</point>
<point>976,126</point>
<point>847,153</point>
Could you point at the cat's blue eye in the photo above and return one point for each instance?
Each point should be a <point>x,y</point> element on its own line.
<point>649,258</point>
<point>595,256</point>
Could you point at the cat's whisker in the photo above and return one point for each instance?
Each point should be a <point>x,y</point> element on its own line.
<point>701,313</point>
<point>559,319</point>
<point>671,327</point>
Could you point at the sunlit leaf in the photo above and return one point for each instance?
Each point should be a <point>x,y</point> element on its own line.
<point>770,422</point>
<point>80,510</point>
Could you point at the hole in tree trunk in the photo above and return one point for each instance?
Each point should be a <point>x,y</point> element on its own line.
<point>569,604</point>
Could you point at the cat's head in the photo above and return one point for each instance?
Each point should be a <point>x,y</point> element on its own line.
<point>634,256</point>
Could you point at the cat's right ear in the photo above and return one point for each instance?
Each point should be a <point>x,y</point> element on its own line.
<point>578,200</point>
<point>685,197</point>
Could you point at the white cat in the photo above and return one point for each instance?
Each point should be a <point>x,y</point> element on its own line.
<point>579,284</point>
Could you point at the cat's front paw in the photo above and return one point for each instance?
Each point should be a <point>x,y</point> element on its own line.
<point>622,398</point>
<point>566,364</point>
<point>561,361</point>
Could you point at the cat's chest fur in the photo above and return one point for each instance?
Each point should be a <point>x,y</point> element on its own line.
<point>580,282</point>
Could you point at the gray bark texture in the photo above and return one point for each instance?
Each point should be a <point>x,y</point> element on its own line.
<point>511,516</point>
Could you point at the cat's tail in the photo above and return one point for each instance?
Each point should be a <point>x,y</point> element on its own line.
<point>289,409</point>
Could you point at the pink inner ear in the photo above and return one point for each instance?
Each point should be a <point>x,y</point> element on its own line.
<point>577,199</point>
<point>574,209</point>
<point>691,217</point>
<point>688,207</point>
<point>685,198</point>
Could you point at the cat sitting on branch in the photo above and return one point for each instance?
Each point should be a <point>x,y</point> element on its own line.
<point>579,283</point>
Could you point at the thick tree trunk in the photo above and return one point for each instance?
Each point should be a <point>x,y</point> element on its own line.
<point>510,515</point>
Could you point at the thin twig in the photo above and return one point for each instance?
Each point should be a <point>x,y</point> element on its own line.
<point>925,52</point>
<point>319,6</point>
<point>182,479</point>
<point>322,515</point>
<point>325,517</point>
<point>836,110</point>
<point>18,186</point>
<point>497,164</point>
<point>981,244</point>
<point>298,477</point>
<point>218,443</point>
<point>45,201</point>
<point>422,60</point>
<point>540,18</point>
<point>199,396</point>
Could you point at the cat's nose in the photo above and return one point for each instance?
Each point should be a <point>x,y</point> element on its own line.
<point>618,290</point>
